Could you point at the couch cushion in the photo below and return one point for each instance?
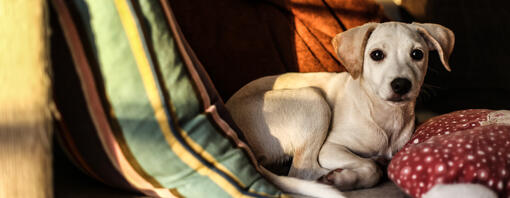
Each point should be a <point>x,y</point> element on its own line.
<point>252,39</point>
<point>138,111</point>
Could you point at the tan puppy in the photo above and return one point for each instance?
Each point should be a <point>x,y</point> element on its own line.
<point>341,121</point>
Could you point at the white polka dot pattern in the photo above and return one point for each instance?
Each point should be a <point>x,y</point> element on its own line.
<point>455,148</point>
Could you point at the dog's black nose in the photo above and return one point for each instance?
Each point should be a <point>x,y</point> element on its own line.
<point>401,86</point>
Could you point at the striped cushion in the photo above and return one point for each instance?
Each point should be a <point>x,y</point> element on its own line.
<point>139,112</point>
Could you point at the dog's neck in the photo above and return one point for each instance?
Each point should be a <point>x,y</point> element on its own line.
<point>390,117</point>
<point>396,121</point>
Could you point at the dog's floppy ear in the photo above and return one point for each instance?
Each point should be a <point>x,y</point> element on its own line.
<point>350,47</point>
<point>440,38</point>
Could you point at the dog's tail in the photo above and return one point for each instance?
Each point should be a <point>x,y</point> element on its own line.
<point>298,186</point>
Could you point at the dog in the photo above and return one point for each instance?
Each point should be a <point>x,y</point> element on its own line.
<point>334,125</point>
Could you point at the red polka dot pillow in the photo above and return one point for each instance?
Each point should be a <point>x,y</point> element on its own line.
<point>469,146</point>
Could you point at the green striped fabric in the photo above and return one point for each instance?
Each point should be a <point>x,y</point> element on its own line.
<point>152,120</point>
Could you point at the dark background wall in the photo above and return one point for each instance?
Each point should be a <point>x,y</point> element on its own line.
<point>480,76</point>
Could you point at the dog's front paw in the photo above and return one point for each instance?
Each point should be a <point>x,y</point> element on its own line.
<point>347,179</point>
<point>329,178</point>
<point>341,179</point>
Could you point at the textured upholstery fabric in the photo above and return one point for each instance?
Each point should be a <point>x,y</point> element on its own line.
<point>25,101</point>
<point>241,40</point>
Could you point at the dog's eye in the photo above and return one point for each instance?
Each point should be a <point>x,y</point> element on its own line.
<point>417,54</point>
<point>377,55</point>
